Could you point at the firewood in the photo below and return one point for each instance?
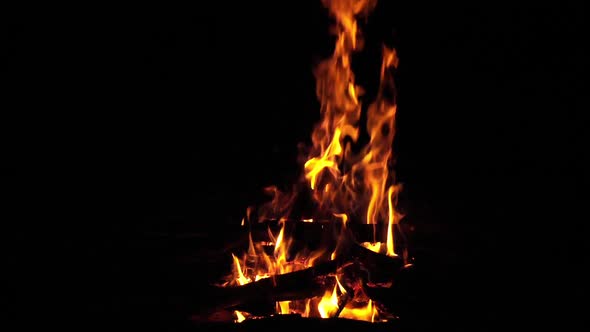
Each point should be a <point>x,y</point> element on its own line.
<point>379,267</point>
<point>285,287</point>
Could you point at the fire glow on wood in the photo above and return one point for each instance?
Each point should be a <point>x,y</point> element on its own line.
<point>348,186</point>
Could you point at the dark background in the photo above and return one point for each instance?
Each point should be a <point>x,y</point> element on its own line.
<point>125,127</point>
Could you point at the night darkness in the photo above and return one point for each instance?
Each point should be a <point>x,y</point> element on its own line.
<point>134,127</point>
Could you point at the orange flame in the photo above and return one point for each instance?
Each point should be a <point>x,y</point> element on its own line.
<point>350,179</point>
<point>339,178</point>
<point>307,308</point>
<point>242,280</point>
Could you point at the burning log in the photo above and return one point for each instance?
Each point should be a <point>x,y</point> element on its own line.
<point>404,296</point>
<point>379,267</point>
<point>301,284</point>
<point>260,296</point>
<point>285,287</point>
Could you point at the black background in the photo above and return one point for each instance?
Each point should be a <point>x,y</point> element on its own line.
<point>122,122</point>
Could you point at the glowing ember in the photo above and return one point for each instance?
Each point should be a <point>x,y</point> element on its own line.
<point>347,184</point>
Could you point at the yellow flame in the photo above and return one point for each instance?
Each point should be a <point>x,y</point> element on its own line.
<point>373,246</point>
<point>344,219</point>
<point>329,303</point>
<point>241,279</point>
<point>367,313</point>
<point>279,241</point>
<point>342,216</point>
<point>261,276</point>
<point>239,317</point>
<point>340,287</point>
<point>283,307</point>
<point>280,253</point>
<point>352,93</point>
<point>314,166</point>
<point>391,222</point>
<point>313,257</point>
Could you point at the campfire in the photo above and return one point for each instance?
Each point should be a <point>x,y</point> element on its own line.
<point>332,245</point>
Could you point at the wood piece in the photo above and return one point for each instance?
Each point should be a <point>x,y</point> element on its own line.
<point>286,287</point>
<point>379,267</point>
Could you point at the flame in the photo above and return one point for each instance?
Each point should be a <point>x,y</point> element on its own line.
<point>280,253</point>
<point>373,246</point>
<point>346,175</point>
<point>251,250</point>
<point>283,307</point>
<point>239,316</point>
<point>329,305</point>
<point>241,279</point>
<point>279,242</point>
<point>307,308</point>
<point>390,223</point>
<point>340,179</point>
<point>343,217</point>
<point>261,276</point>
<point>348,178</point>
<point>328,160</point>
<point>367,313</point>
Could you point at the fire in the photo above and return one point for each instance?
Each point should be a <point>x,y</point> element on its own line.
<point>329,303</point>
<point>239,316</point>
<point>241,279</point>
<point>348,178</point>
<point>366,313</point>
<point>390,223</point>
<point>341,180</point>
<point>283,307</point>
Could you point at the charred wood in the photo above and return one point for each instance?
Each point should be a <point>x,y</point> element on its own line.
<point>290,286</point>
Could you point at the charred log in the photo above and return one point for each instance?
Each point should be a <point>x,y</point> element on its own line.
<point>286,287</point>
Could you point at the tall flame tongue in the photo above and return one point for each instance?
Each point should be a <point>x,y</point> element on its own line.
<point>343,181</point>
<point>347,184</point>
